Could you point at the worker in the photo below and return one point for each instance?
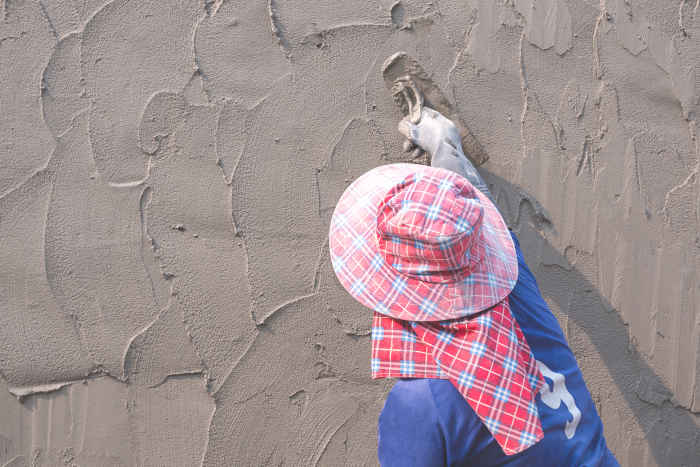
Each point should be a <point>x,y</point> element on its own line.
<point>485,375</point>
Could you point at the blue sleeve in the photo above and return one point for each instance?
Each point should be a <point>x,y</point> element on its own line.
<point>541,328</point>
<point>585,443</point>
<point>409,433</point>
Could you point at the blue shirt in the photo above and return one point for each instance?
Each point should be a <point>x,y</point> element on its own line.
<point>427,422</point>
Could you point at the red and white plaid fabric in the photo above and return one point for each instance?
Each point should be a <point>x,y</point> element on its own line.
<point>432,256</point>
<point>486,357</point>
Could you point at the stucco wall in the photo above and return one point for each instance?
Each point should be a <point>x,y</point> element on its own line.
<point>168,169</point>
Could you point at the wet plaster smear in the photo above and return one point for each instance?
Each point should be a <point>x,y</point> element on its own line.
<point>167,173</point>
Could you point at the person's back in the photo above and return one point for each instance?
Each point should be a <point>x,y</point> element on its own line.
<point>446,431</point>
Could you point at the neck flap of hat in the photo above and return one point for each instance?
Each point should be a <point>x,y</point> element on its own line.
<point>485,357</point>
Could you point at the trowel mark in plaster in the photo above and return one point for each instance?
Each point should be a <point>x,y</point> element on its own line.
<point>162,349</point>
<point>652,155</point>
<point>492,60</point>
<point>212,6</point>
<point>106,62</point>
<point>293,345</point>
<point>689,181</point>
<point>398,14</point>
<point>356,150</point>
<point>681,13</point>
<point>688,56</point>
<point>583,126</point>
<point>300,22</point>
<point>70,17</point>
<point>21,392</point>
<point>560,98</point>
<point>230,138</point>
<point>44,13</point>
<point>323,418</point>
<point>62,99</point>
<point>636,34</point>
<point>205,262</point>
<point>94,422</point>
<point>48,348</point>
<point>482,37</point>
<point>159,285</point>
<point>572,129</point>
<point>26,142</point>
<point>90,278</point>
<point>548,24</point>
<point>236,53</point>
<point>277,27</point>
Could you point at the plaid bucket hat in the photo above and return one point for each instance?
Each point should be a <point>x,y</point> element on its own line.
<point>421,243</point>
<point>432,256</point>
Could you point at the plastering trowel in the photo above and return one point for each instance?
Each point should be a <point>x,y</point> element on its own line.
<point>412,88</point>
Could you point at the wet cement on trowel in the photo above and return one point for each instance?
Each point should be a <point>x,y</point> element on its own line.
<point>169,170</point>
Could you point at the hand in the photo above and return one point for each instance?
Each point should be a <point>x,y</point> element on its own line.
<point>432,130</point>
<point>439,137</point>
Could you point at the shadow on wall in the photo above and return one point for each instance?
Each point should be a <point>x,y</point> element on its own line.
<point>567,289</point>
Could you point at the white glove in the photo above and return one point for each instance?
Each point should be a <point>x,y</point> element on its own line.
<point>440,138</point>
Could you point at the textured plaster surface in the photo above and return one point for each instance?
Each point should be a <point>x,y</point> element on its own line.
<point>167,173</point>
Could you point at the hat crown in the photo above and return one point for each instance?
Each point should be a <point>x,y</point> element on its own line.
<point>427,225</point>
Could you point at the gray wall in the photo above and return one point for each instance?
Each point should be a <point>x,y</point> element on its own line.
<point>168,169</point>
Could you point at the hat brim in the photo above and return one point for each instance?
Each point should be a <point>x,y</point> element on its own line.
<point>363,272</point>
